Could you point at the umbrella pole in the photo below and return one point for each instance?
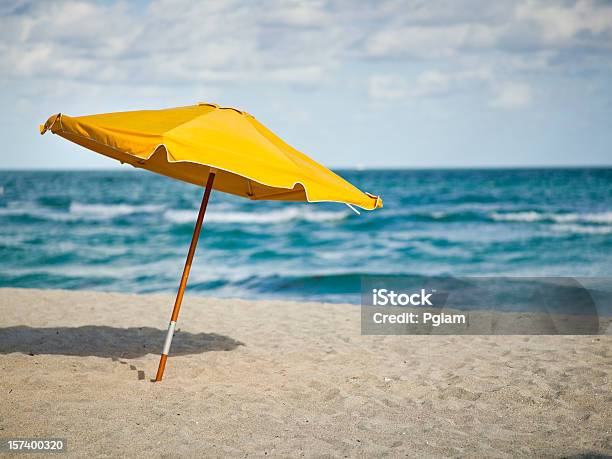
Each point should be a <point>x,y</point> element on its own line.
<point>183,284</point>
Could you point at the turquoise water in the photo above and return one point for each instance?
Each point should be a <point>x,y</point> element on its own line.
<point>130,231</point>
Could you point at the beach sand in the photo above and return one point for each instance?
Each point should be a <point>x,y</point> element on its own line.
<point>278,378</point>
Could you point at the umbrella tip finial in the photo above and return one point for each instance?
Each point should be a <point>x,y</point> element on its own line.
<point>49,123</point>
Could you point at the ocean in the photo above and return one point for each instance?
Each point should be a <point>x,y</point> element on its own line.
<point>129,231</point>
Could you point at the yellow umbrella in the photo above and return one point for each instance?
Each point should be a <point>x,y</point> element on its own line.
<point>226,148</point>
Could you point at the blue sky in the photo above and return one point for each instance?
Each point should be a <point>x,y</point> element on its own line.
<point>458,83</point>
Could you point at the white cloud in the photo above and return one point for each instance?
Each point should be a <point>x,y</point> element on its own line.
<point>387,88</point>
<point>432,82</point>
<point>512,95</point>
<point>169,42</point>
<point>299,14</point>
<point>451,46</point>
<point>430,42</point>
<point>393,87</point>
<point>562,24</point>
<point>397,89</point>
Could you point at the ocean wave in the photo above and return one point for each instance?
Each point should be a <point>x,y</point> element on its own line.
<point>446,216</point>
<point>582,229</point>
<point>12,211</point>
<point>34,214</point>
<point>109,211</point>
<point>78,211</point>
<point>271,217</point>
<point>324,285</point>
<point>604,218</point>
<point>54,202</point>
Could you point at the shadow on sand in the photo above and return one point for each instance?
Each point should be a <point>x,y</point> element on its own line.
<point>112,342</point>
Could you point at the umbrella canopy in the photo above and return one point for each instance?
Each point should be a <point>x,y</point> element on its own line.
<point>224,147</point>
<point>185,142</point>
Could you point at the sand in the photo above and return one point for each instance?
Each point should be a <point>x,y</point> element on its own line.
<point>264,378</point>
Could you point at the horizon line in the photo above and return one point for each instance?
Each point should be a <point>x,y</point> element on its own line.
<point>344,168</point>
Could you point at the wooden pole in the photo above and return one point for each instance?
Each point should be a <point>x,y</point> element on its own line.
<point>183,284</point>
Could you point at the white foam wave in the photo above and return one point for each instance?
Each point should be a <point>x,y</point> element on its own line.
<point>272,217</point>
<point>12,211</point>
<point>517,217</point>
<point>181,216</point>
<point>603,218</point>
<point>582,229</point>
<point>106,211</point>
<point>35,213</point>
